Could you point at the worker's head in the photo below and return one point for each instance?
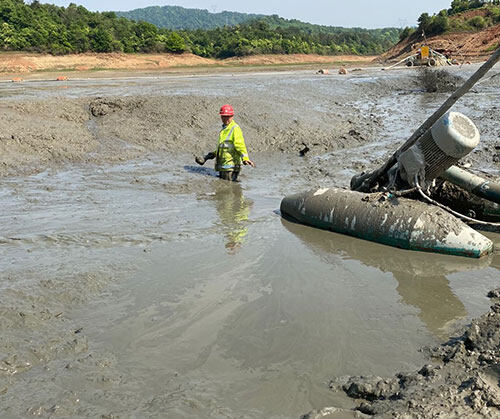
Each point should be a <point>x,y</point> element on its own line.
<point>226,113</point>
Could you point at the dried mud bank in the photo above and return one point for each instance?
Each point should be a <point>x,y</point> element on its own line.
<point>33,64</point>
<point>323,113</point>
<point>461,380</point>
<point>35,135</point>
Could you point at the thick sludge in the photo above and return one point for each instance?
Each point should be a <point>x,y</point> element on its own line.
<point>134,283</point>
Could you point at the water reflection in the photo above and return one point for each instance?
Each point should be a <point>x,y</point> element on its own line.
<point>422,277</point>
<point>233,210</point>
<point>302,319</point>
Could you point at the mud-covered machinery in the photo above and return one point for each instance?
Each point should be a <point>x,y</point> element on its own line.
<point>451,138</point>
<point>426,57</point>
<point>393,204</point>
<point>430,164</point>
<point>388,216</point>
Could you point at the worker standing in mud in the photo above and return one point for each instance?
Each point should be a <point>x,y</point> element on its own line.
<point>231,150</point>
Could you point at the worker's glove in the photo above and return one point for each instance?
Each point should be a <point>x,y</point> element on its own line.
<point>210,156</point>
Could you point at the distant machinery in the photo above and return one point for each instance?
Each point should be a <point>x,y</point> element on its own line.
<point>425,56</point>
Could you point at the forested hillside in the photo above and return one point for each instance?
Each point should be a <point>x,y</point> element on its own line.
<point>73,29</point>
<point>175,17</point>
<point>277,36</point>
<point>462,16</point>
<point>60,30</point>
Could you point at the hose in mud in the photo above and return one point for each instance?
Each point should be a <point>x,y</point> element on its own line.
<point>444,207</point>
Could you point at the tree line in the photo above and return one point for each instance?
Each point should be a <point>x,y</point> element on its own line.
<point>273,35</point>
<point>48,28</point>
<point>60,30</point>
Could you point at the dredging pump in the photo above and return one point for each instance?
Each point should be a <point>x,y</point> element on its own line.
<point>378,208</point>
<point>387,216</point>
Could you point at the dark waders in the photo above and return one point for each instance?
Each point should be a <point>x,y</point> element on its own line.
<point>230,174</point>
<point>223,174</point>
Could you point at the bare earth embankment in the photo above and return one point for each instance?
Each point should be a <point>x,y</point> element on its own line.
<point>27,65</point>
<point>462,46</point>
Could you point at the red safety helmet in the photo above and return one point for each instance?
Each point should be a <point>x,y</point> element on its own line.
<point>226,110</point>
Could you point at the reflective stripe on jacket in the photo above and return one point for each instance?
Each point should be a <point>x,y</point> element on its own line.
<point>231,149</point>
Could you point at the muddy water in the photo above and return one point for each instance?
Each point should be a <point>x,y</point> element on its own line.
<point>179,85</point>
<point>217,307</point>
<point>153,289</point>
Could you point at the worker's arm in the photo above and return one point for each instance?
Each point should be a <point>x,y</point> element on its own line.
<point>239,145</point>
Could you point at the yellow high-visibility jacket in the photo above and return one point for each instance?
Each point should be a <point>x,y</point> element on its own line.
<point>231,148</point>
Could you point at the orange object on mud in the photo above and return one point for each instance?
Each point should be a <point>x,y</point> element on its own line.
<point>17,80</point>
<point>424,52</point>
<point>226,110</point>
<point>62,78</point>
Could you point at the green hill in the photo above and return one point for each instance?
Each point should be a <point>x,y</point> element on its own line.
<point>176,17</point>
<point>227,34</point>
<point>42,27</point>
<point>273,35</point>
<point>462,16</point>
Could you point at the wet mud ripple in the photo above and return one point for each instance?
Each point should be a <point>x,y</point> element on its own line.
<point>42,345</point>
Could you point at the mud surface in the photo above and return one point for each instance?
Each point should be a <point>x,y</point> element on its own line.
<point>461,379</point>
<point>438,80</point>
<point>135,283</point>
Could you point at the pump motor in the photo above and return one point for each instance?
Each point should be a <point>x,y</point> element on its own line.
<point>451,138</point>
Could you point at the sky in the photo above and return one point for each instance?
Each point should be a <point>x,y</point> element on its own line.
<point>347,13</point>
